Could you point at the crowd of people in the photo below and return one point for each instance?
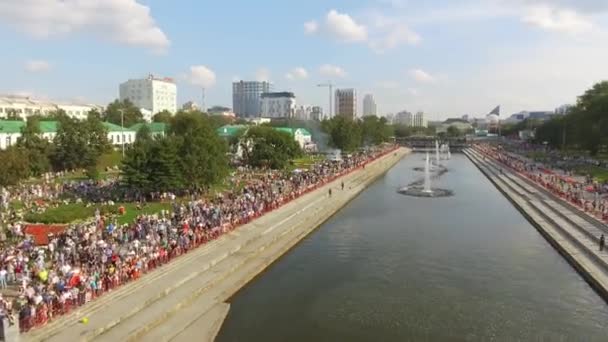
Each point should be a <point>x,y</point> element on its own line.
<point>588,196</point>
<point>88,259</point>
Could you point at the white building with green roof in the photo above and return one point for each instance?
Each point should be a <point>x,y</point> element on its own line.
<point>10,131</point>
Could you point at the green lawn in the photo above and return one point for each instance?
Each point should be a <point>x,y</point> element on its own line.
<point>598,173</point>
<point>305,162</point>
<point>77,212</point>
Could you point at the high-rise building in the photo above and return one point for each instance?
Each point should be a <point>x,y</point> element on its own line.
<point>152,94</point>
<point>404,118</point>
<point>419,120</point>
<point>346,103</point>
<point>303,112</point>
<point>369,105</point>
<point>317,113</point>
<point>278,105</point>
<point>247,96</point>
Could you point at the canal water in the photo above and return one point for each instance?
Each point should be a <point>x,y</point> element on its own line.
<point>394,268</point>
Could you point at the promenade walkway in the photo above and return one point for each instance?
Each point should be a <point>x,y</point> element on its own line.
<point>185,300</point>
<point>572,232</point>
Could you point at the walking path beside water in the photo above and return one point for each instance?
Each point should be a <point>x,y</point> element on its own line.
<point>170,303</point>
<point>572,232</point>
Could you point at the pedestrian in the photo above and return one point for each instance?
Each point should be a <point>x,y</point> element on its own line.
<point>342,185</point>
<point>330,192</point>
<point>602,242</point>
<point>3,275</point>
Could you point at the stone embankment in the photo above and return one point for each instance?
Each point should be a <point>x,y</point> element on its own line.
<point>186,300</point>
<point>574,234</point>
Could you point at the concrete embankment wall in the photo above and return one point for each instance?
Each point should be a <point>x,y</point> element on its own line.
<point>563,228</point>
<point>188,296</point>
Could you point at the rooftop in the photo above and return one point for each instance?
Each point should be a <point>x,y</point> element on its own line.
<point>278,94</point>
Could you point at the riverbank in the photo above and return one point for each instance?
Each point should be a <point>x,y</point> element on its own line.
<point>165,303</point>
<point>573,234</point>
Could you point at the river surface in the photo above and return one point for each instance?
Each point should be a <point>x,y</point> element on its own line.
<point>394,268</point>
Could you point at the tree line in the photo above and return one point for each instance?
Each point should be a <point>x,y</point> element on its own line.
<point>76,145</point>
<point>584,127</point>
<point>349,135</point>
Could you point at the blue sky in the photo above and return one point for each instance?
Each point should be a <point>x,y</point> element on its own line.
<point>445,57</point>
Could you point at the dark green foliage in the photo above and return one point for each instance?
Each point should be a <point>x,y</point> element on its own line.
<point>584,127</point>
<point>38,149</point>
<point>117,109</point>
<point>190,157</point>
<point>14,166</point>
<point>264,146</point>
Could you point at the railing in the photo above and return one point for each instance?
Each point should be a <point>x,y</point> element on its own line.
<point>54,308</point>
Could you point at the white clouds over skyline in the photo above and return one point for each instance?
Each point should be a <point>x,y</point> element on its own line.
<point>201,76</point>
<point>262,74</point>
<point>123,21</point>
<point>421,76</point>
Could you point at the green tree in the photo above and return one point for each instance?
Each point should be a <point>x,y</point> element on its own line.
<point>38,148</point>
<point>202,152</point>
<point>114,113</point>
<point>453,132</point>
<point>164,165</point>
<point>344,133</point>
<point>164,117</point>
<point>135,169</point>
<point>14,166</point>
<point>267,147</point>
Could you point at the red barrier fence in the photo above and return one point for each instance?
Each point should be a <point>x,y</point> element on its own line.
<point>580,203</point>
<point>49,310</point>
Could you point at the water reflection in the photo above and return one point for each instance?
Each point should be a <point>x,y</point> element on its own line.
<point>396,268</point>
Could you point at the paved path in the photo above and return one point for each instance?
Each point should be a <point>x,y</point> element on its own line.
<point>574,234</point>
<point>167,304</point>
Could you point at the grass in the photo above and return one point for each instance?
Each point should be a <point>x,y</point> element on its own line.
<point>305,162</point>
<point>78,212</point>
<point>598,173</point>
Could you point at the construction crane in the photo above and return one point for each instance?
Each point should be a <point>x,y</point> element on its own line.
<point>331,88</point>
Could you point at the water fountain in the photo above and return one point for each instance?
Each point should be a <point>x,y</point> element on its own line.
<point>426,190</point>
<point>437,152</point>
<point>427,176</point>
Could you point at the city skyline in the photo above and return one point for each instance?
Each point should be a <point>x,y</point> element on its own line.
<point>446,58</point>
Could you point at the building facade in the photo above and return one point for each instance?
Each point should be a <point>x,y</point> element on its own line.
<point>404,118</point>
<point>278,105</point>
<point>24,106</point>
<point>419,120</point>
<point>317,113</point>
<point>369,105</point>
<point>151,93</point>
<point>303,113</point>
<point>246,98</point>
<point>346,103</point>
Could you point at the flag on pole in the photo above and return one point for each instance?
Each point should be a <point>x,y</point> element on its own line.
<point>495,111</point>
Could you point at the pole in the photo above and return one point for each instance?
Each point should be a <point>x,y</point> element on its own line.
<point>331,88</point>
<point>122,131</point>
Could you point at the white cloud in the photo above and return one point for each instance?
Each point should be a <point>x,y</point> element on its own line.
<point>236,78</point>
<point>123,21</point>
<point>380,32</point>
<point>344,28</point>
<point>329,70</point>
<point>37,66</point>
<point>421,76</point>
<point>556,19</point>
<point>387,85</point>
<point>311,27</point>
<point>201,76</point>
<point>262,75</point>
<point>413,92</point>
<point>298,73</point>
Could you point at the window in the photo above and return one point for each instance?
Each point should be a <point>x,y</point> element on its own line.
<point>111,139</point>
<point>8,141</point>
<point>118,138</point>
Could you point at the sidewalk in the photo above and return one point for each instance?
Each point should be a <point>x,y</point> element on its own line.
<point>216,270</point>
